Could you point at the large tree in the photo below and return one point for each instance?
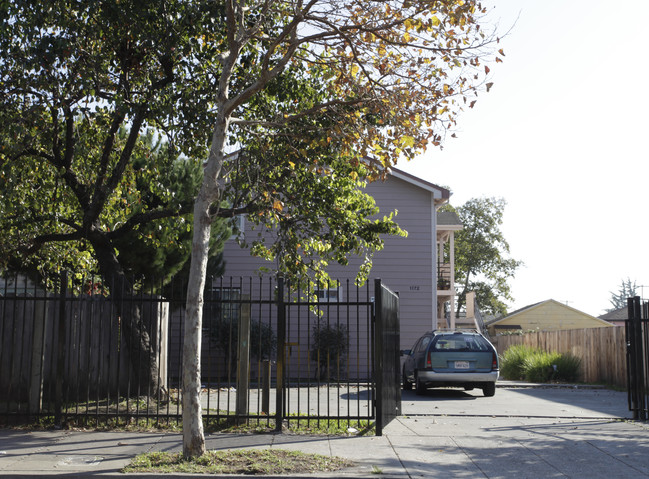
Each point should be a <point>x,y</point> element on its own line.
<point>96,175</point>
<point>388,78</point>
<point>293,106</point>
<point>627,289</point>
<point>482,261</point>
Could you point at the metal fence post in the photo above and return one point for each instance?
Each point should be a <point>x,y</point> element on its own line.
<point>60,352</point>
<point>243,366</point>
<point>377,339</point>
<point>281,346</point>
<point>38,355</point>
<point>635,373</point>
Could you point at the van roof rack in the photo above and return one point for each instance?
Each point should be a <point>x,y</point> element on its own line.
<point>456,330</point>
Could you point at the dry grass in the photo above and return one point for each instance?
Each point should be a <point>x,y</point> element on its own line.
<point>249,462</point>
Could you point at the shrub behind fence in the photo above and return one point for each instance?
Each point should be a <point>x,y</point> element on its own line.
<point>602,350</point>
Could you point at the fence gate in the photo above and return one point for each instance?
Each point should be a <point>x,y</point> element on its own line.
<point>637,354</point>
<point>386,357</point>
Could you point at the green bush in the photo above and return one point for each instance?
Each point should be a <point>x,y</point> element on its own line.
<point>329,348</point>
<point>530,364</point>
<point>568,367</point>
<point>511,362</point>
<point>538,366</point>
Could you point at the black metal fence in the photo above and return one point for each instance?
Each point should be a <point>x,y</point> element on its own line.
<point>272,354</point>
<point>637,340</point>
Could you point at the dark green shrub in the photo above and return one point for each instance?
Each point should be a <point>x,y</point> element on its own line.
<point>521,362</point>
<point>512,362</point>
<point>568,368</point>
<point>538,366</point>
<point>329,348</point>
<point>224,334</point>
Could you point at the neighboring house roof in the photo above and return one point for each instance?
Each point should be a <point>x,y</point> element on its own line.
<point>549,314</point>
<point>621,314</point>
<point>448,218</point>
<point>513,313</point>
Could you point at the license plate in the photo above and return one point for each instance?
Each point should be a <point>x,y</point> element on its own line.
<point>461,364</point>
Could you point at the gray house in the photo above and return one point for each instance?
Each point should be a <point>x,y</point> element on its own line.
<point>418,267</point>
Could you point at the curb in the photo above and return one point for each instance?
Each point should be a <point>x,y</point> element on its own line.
<point>524,384</point>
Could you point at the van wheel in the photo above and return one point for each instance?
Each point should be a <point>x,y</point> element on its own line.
<point>420,388</point>
<point>489,389</point>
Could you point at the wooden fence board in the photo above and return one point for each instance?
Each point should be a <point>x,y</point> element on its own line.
<point>602,350</point>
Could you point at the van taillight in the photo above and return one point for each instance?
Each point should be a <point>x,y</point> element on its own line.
<point>428,362</point>
<point>494,363</point>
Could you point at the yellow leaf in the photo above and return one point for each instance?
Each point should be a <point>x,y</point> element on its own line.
<point>435,21</point>
<point>277,205</point>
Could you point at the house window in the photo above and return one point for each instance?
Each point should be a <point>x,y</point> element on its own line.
<point>329,295</point>
<point>221,304</point>
<point>238,225</point>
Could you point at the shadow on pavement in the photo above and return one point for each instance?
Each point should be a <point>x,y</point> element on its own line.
<point>442,395</point>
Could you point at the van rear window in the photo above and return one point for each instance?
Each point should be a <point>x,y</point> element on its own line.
<point>460,342</point>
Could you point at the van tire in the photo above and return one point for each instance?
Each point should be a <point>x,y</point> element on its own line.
<point>489,389</point>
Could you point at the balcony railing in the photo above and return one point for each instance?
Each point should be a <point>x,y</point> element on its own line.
<point>444,276</point>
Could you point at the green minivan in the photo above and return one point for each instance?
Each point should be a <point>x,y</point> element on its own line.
<point>463,359</point>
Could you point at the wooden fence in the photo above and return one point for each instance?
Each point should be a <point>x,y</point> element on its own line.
<point>602,350</point>
<point>95,361</point>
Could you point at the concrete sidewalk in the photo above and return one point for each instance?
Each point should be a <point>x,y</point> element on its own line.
<point>522,441</point>
<point>411,447</point>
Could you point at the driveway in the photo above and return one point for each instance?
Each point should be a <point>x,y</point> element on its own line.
<point>520,433</point>
<point>539,402</point>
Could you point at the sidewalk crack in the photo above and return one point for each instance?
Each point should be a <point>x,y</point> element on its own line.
<point>398,457</point>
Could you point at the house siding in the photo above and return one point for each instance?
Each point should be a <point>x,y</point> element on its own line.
<point>405,265</point>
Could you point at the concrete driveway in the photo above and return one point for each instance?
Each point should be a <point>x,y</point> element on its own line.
<point>528,432</point>
<point>541,402</point>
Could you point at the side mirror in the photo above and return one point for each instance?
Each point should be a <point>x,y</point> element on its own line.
<point>404,352</point>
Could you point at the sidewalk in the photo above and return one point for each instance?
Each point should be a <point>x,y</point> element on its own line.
<point>412,447</point>
<point>417,446</point>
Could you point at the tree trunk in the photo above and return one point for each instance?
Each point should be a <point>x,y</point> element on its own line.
<point>143,357</point>
<point>193,436</point>
<point>461,298</point>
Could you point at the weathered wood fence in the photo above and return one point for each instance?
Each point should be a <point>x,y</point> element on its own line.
<point>602,350</point>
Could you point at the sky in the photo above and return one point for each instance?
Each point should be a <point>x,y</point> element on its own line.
<point>561,136</point>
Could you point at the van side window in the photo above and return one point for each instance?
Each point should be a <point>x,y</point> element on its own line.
<point>423,344</point>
